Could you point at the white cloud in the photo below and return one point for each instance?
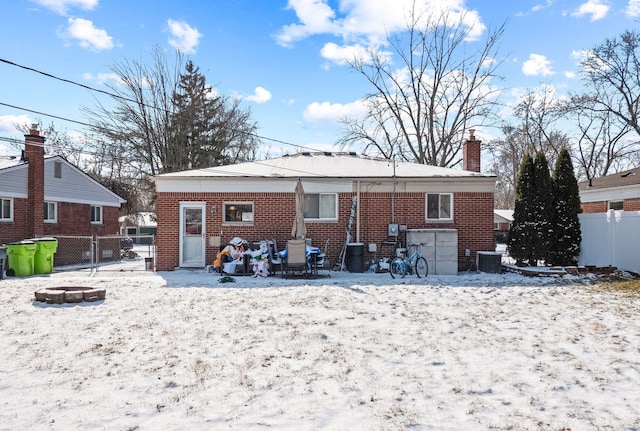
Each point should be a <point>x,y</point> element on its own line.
<point>8,123</point>
<point>260,95</point>
<point>633,8</point>
<point>537,65</point>
<point>343,54</point>
<point>102,78</point>
<point>87,35</point>
<point>183,37</point>
<point>315,17</point>
<point>62,6</point>
<point>369,21</point>
<point>541,6</point>
<point>597,9</point>
<point>331,112</point>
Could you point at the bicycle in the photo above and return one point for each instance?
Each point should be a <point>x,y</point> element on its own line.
<point>414,264</point>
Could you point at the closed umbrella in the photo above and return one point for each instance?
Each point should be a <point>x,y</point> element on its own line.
<point>299,229</point>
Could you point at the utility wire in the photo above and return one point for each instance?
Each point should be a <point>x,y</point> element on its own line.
<point>117,96</point>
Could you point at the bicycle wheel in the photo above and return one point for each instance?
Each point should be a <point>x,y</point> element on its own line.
<point>397,268</point>
<point>421,267</point>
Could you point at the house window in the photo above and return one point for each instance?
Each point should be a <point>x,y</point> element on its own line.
<point>616,205</point>
<point>496,226</point>
<point>6,209</point>
<point>50,212</point>
<point>321,206</point>
<point>439,206</point>
<point>57,169</point>
<point>96,214</point>
<point>238,212</point>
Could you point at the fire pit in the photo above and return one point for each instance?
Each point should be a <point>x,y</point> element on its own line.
<point>60,295</point>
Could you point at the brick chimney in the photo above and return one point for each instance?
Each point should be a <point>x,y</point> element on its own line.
<point>34,154</point>
<point>471,153</point>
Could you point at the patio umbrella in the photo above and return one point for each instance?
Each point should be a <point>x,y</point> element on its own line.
<point>299,230</point>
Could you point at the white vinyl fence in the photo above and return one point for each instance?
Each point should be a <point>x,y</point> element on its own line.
<point>611,239</point>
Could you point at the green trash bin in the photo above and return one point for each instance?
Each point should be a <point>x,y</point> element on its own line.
<point>20,256</point>
<point>43,257</point>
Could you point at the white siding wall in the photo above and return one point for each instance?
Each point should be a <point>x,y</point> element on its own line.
<point>611,239</point>
<point>74,186</point>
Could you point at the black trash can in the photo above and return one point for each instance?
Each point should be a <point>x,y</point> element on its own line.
<point>3,259</point>
<point>355,257</point>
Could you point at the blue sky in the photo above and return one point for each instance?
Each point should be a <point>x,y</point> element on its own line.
<point>284,58</point>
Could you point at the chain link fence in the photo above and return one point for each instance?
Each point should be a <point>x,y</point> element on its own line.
<point>105,253</point>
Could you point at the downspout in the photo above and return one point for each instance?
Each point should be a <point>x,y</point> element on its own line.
<point>358,212</point>
<point>393,194</point>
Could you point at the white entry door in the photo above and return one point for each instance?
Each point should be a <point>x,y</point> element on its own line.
<point>192,234</point>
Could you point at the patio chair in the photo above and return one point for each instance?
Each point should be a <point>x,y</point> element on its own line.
<point>296,258</point>
<point>274,257</point>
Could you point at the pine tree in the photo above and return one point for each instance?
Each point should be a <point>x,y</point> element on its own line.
<point>208,129</point>
<point>518,244</point>
<point>565,247</point>
<point>542,210</point>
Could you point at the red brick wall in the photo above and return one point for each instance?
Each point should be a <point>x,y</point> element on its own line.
<point>19,229</point>
<point>632,204</point>
<point>594,207</point>
<point>601,206</point>
<point>274,214</point>
<point>73,219</point>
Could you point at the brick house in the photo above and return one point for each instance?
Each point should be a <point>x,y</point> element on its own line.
<point>618,192</point>
<point>502,220</point>
<point>42,196</point>
<point>200,209</point>
<point>610,221</point>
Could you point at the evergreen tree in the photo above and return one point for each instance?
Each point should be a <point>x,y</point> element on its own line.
<point>542,229</point>
<point>565,247</point>
<point>519,242</point>
<point>207,129</point>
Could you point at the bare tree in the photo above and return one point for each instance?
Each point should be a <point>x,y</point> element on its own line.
<point>164,120</point>
<point>603,145</point>
<point>533,129</point>
<point>419,110</point>
<point>537,115</point>
<point>139,123</point>
<point>611,72</point>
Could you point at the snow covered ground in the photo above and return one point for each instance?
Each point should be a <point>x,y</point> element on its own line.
<point>180,350</point>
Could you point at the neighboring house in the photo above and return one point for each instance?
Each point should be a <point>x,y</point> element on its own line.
<point>610,221</point>
<point>449,210</point>
<point>502,220</point>
<point>143,223</point>
<point>620,192</point>
<point>48,196</point>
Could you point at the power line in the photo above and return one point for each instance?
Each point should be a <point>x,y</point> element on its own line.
<point>117,96</point>
<point>45,114</point>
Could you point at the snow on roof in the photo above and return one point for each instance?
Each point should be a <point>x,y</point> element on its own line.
<point>9,161</point>
<point>325,164</point>
<point>505,214</point>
